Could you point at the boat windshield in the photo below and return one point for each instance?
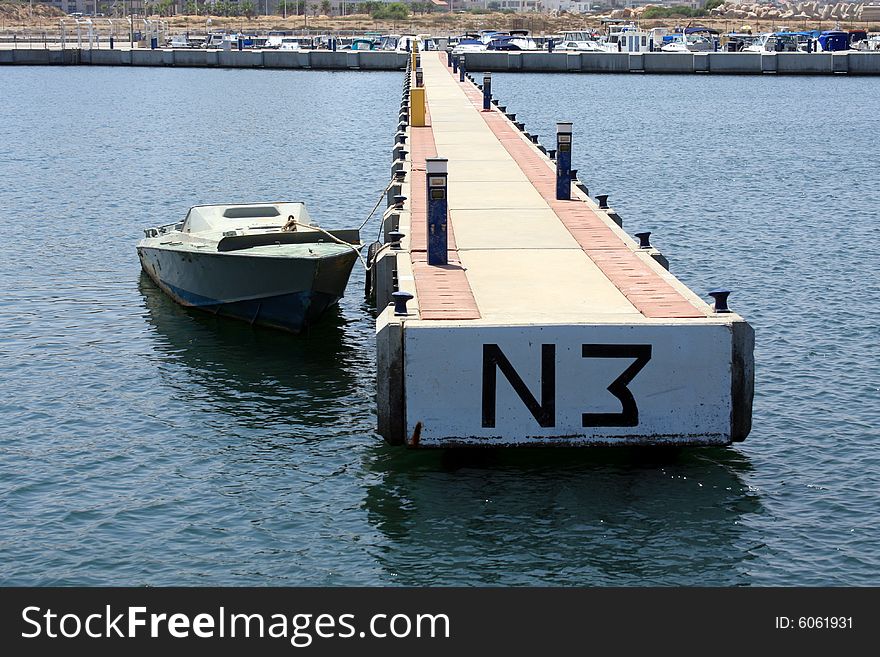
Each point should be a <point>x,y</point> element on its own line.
<point>251,212</point>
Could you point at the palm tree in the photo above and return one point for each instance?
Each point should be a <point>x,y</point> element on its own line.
<point>325,7</point>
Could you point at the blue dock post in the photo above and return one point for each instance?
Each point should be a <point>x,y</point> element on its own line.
<point>487,91</point>
<point>111,42</point>
<point>461,69</point>
<point>436,169</point>
<point>563,161</point>
<point>419,78</point>
<point>240,43</point>
<point>449,58</point>
<point>154,43</point>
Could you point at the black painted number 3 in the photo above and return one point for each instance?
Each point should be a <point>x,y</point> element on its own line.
<point>544,411</point>
<point>629,416</point>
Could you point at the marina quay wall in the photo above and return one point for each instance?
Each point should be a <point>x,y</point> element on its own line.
<point>740,63</point>
<point>306,59</point>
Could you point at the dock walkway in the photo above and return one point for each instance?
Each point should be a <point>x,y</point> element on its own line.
<point>503,215</point>
<point>534,287</point>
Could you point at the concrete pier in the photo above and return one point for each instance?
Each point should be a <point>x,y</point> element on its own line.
<point>719,63</point>
<point>185,57</point>
<point>548,325</point>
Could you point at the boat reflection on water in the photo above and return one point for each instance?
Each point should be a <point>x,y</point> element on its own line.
<point>262,377</point>
<point>563,517</point>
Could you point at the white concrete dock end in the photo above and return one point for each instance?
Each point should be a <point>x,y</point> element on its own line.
<point>548,324</point>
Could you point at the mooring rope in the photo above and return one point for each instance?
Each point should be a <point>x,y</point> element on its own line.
<point>378,203</point>
<point>354,247</point>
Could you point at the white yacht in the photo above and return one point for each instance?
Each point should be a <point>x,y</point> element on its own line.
<point>625,36</point>
<point>578,41</point>
<point>688,43</point>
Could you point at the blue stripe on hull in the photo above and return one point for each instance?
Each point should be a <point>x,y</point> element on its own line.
<point>290,312</point>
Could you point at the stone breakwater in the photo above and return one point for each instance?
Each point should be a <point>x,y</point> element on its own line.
<point>782,11</point>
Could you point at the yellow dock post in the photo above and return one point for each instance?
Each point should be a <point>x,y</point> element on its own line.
<point>417,107</point>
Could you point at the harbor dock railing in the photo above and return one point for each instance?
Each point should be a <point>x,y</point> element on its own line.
<point>516,311</point>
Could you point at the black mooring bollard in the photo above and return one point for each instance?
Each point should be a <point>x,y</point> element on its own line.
<point>644,239</point>
<point>394,238</point>
<point>720,295</point>
<point>400,300</point>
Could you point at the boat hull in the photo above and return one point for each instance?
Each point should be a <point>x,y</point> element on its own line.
<point>282,293</point>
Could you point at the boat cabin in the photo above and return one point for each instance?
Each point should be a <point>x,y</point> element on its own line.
<point>243,217</point>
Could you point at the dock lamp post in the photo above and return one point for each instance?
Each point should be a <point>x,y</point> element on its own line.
<point>563,161</point>
<point>436,169</point>
<point>487,91</point>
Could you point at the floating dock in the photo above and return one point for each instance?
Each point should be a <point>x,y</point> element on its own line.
<point>516,317</point>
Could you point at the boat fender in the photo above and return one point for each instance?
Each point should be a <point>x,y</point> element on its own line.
<point>290,226</point>
<point>369,291</point>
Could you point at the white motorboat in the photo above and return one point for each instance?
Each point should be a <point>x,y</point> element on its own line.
<point>264,263</point>
<point>778,42</point>
<point>289,43</point>
<point>624,36</point>
<point>469,46</point>
<point>578,42</point>
<point>514,40</point>
<point>688,43</point>
<point>481,42</point>
<point>405,43</point>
